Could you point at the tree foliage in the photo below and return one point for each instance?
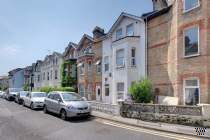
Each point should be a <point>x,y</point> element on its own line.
<point>66,79</point>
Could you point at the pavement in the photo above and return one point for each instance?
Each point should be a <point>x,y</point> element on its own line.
<point>21,123</point>
<point>164,127</point>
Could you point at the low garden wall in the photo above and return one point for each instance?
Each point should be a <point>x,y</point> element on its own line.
<point>105,108</point>
<point>186,115</point>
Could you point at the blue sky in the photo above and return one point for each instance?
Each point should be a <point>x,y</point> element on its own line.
<point>31,29</point>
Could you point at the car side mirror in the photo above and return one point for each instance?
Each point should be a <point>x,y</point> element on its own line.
<point>84,98</point>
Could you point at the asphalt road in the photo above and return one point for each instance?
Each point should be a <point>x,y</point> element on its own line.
<point>21,123</point>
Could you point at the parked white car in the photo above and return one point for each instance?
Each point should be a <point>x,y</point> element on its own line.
<point>66,104</point>
<point>1,94</point>
<point>34,99</point>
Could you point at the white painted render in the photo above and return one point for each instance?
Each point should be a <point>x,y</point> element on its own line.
<point>128,73</point>
<point>49,65</point>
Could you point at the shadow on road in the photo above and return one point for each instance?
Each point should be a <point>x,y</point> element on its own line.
<point>73,119</point>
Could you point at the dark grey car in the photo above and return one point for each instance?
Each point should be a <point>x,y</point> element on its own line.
<point>66,104</point>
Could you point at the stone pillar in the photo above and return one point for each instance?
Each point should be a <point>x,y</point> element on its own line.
<point>205,114</point>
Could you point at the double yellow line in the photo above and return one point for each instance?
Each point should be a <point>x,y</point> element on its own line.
<point>152,132</point>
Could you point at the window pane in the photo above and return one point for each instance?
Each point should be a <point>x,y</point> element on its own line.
<point>118,34</point>
<point>191,96</point>
<point>120,58</point>
<point>191,82</point>
<point>81,90</point>
<point>89,66</point>
<point>120,86</point>
<point>133,52</point>
<point>189,4</point>
<point>191,41</point>
<point>129,30</point>
<point>106,59</point>
<point>106,91</point>
<point>98,68</point>
<point>120,96</point>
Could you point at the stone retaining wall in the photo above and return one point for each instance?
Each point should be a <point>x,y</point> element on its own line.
<point>186,115</point>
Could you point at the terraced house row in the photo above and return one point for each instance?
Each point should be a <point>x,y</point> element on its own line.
<point>170,45</point>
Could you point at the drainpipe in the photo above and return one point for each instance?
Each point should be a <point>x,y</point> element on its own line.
<point>146,47</point>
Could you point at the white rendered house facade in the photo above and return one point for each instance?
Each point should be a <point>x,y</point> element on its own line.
<point>123,58</point>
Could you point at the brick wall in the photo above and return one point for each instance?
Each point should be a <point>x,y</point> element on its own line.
<point>167,67</point>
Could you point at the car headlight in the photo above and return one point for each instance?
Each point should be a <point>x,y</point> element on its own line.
<point>71,107</point>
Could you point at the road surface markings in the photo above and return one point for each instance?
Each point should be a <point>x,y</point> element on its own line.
<point>162,134</point>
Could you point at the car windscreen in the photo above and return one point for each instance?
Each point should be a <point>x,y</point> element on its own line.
<point>71,97</point>
<point>23,93</point>
<point>39,94</point>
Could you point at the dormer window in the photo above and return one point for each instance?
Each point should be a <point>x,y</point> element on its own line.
<point>129,30</point>
<point>191,4</point>
<point>119,34</point>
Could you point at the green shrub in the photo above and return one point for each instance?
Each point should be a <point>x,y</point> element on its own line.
<point>142,91</point>
<point>46,89</point>
<point>26,87</point>
<point>49,89</point>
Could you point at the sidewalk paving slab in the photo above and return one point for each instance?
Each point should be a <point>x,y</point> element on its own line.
<point>171,128</point>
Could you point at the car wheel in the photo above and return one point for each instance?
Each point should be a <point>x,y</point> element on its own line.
<point>63,114</point>
<point>32,106</point>
<point>45,109</point>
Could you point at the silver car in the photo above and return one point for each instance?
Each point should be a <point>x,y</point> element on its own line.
<point>34,99</point>
<point>66,104</point>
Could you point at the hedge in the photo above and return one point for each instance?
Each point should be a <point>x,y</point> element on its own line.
<point>49,89</point>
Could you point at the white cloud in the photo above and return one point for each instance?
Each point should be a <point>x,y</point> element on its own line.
<point>10,50</point>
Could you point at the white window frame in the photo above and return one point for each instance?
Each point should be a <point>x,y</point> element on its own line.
<point>56,75</point>
<point>99,67</point>
<point>106,87</point>
<point>199,88</point>
<point>90,66</point>
<point>83,72</point>
<point>123,65</point>
<point>106,63</point>
<point>122,92</point>
<point>133,58</point>
<point>184,31</point>
<point>120,35</point>
<point>127,29</point>
<point>185,11</point>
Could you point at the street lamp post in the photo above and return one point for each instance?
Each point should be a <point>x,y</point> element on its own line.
<point>32,84</point>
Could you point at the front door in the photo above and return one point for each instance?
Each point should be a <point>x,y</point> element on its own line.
<point>98,93</point>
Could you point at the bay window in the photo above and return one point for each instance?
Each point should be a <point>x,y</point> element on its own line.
<point>192,91</point>
<point>120,62</point>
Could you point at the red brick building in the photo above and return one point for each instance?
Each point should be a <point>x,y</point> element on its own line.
<point>89,53</point>
<point>179,49</point>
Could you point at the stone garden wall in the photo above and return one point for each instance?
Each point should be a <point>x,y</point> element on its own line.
<point>186,115</point>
